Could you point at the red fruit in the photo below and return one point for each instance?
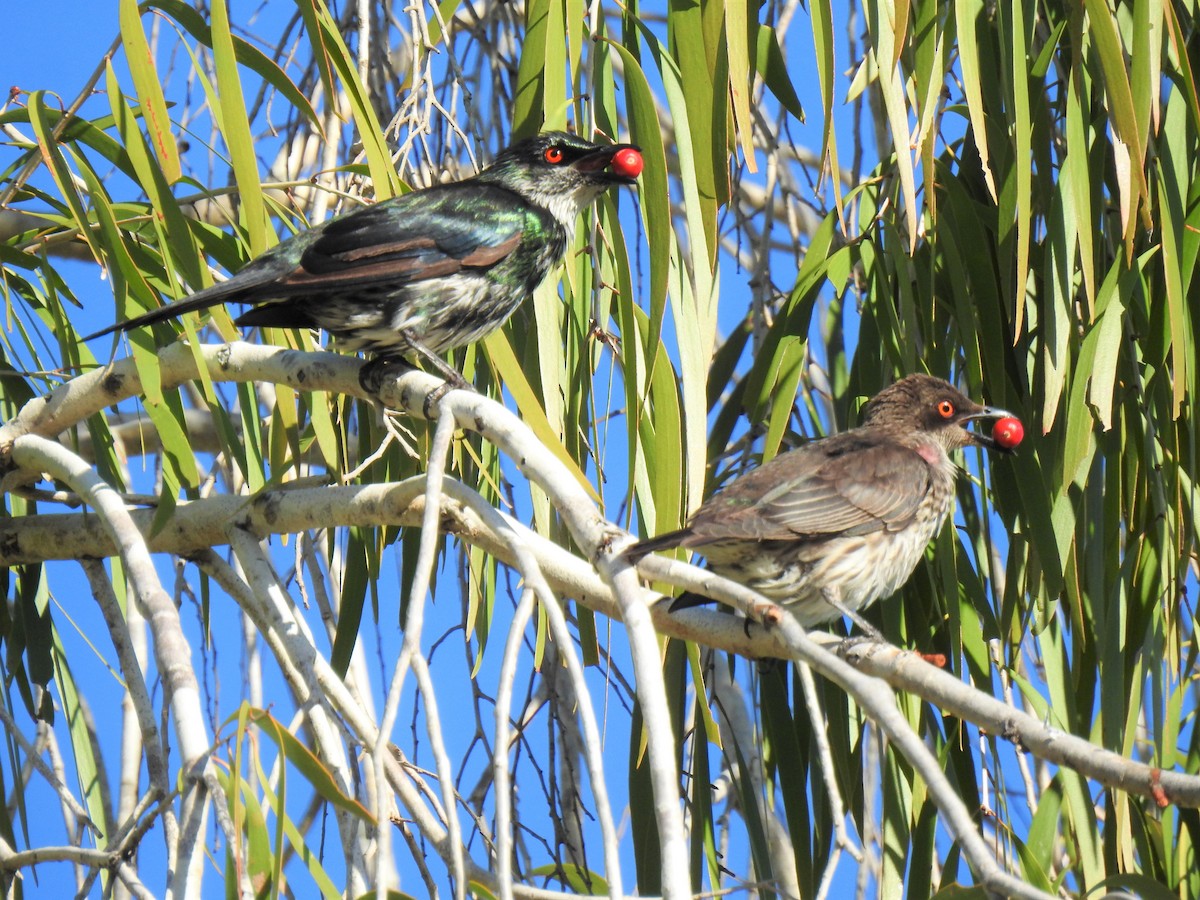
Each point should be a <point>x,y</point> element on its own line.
<point>1008,432</point>
<point>627,163</point>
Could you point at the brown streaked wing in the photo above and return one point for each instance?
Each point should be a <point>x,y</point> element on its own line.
<point>849,484</point>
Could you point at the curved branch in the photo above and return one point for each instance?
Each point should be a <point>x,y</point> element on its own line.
<point>136,690</point>
<point>316,371</point>
<point>171,650</point>
<point>596,536</point>
<point>411,657</point>
<point>909,672</point>
<point>200,525</point>
<point>535,578</point>
<point>878,700</point>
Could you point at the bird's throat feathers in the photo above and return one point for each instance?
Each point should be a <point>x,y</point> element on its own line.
<point>934,455</point>
<point>564,195</point>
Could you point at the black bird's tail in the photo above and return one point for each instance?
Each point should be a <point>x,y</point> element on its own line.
<point>210,296</point>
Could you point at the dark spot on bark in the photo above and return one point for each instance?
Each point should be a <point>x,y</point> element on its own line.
<point>1010,732</point>
<point>10,544</point>
<point>267,505</point>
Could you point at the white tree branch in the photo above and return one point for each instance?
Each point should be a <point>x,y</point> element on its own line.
<point>172,652</point>
<point>605,582</point>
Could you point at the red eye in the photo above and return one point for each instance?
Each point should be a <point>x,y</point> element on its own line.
<point>945,409</point>
<point>553,155</point>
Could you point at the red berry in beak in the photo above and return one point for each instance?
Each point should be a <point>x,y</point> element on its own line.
<point>1008,432</point>
<point>627,163</point>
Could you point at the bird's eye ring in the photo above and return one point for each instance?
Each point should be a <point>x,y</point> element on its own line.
<point>945,409</point>
<point>553,155</point>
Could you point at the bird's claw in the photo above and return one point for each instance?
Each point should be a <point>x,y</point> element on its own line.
<point>375,372</point>
<point>850,646</point>
<point>434,397</point>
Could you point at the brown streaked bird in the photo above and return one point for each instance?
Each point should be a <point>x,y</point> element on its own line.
<point>835,525</point>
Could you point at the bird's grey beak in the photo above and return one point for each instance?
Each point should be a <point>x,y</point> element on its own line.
<point>599,160</point>
<point>986,440</point>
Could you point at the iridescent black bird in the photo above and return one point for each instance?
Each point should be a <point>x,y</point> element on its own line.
<point>835,525</point>
<point>433,269</point>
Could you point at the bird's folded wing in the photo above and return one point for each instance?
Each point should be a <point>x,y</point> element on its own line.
<point>878,487</point>
<point>435,234</point>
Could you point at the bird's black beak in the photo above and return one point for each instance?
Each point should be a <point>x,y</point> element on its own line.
<point>599,160</point>
<point>987,441</point>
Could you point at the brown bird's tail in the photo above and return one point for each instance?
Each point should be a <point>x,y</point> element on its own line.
<point>662,542</point>
<point>688,599</point>
<point>668,541</point>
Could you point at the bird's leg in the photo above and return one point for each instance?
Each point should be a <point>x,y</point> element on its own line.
<point>454,379</point>
<point>833,598</point>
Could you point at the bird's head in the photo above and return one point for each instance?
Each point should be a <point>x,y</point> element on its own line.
<point>932,409</point>
<point>562,172</point>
